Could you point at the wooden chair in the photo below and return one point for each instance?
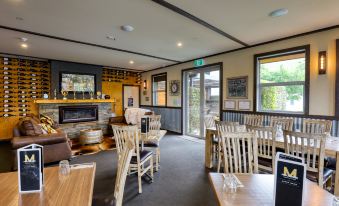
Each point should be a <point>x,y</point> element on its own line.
<point>311,147</point>
<point>123,165</point>
<point>240,152</point>
<point>286,123</point>
<point>266,146</point>
<point>317,126</point>
<point>222,127</point>
<point>140,157</point>
<point>209,121</point>
<point>253,120</point>
<point>154,132</point>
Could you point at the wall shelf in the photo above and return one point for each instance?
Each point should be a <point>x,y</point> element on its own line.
<point>72,101</point>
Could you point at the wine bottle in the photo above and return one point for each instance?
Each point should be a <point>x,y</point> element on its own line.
<point>8,110</point>
<point>8,82</point>
<point>21,78</point>
<point>22,114</point>
<point>8,101</point>
<point>8,105</point>
<point>7,69</point>
<point>33,79</point>
<point>22,105</point>
<point>45,80</point>
<point>8,78</point>
<point>7,73</point>
<point>8,96</point>
<point>22,70</point>
<point>21,87</point>
<point>8,115</point>
<point>23,100</point>
<point>22,97</point>
<point>8,87</point>
<point>24,110</point>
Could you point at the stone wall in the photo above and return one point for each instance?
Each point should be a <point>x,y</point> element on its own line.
<point>73,129</point>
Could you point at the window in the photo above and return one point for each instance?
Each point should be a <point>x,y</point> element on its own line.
<point>281,82</point>
<point>159,83</point>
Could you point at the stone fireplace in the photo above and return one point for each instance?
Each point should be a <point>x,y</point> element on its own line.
<point>78,113</point>
<point>93,115</point>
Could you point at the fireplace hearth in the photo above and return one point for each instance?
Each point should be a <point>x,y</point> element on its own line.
<point>78,113</point>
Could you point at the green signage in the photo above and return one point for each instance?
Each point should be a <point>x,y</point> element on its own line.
<point>199,62</point>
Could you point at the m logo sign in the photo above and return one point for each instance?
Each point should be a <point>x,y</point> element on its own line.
<point>27,159</point>
<point>292,174</point>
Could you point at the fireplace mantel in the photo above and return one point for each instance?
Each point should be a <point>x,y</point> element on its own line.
<point>72,101</point>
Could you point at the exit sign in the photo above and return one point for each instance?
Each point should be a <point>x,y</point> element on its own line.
<point>199,62</point>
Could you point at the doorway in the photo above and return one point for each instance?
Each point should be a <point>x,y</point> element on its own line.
<point>201,98</point>
<point>131,96</point>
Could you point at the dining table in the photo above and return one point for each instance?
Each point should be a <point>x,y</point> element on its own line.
<point>258,190</point>
<point>331,150</point>
<point>74,189</point>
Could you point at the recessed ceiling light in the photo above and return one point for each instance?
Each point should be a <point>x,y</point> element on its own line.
<point>131,62</point>
<point>127,28</point>
<point>179,44</point>
<point>278,12</point>
<point>24,45</point>
<point>110,37</point>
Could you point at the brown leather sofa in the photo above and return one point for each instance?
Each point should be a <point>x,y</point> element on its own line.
<point>56,146</point>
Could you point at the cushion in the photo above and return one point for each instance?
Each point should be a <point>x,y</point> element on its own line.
<point>29,127</point>
<point>48,129</point>
<point>143,155</point>
<point>47,124</point>
<point>313,176</point>
<point>151,144</point>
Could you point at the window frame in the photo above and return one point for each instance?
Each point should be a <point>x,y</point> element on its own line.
<point>152,89</point>
<point>258,87</point>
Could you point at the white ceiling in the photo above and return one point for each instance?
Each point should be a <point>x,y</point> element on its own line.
<point>157,29</point>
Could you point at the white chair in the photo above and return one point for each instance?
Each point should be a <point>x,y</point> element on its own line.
<point>285,122</point>
<point>266,146</point>
<point>240,152</point>
<point>123,165</point>
<point>253,120</point>
<point>140,157</point>
<point>153,136</point>
<point>311,147</point>
<point>317,126</point>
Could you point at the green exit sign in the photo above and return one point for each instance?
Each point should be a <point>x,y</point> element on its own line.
<point>199,62</point>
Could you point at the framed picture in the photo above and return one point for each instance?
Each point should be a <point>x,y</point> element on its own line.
<point>237,87</point>
<point>244,104</point>
<point>229,104</point>
<point>174,87</point>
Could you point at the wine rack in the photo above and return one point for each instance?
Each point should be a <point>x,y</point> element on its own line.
<point>114,75</point>
<point>22,81</point>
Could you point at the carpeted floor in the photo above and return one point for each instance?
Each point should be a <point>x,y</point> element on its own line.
<point>181,180</point>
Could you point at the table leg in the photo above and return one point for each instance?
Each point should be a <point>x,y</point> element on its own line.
<point>208,149</point>
<point>336,184</point>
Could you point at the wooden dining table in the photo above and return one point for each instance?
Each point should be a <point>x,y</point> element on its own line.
<point>75,189</point>
<point>258,190</point>
<point>331,150</point>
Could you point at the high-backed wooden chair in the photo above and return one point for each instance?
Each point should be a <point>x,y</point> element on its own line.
<point>240,152</point>
<point>253,120</point>
<point>123,165</point>
<point>285,122</point>
<point>317,126</point>
<point>140,157</point>
<point>154,132</point>
<point>209,121</point>
<point>222,127</point>
<point>266,146</point>
<point>311,147</point>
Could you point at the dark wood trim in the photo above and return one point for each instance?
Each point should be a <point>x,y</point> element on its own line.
<point>336,104</point>
<point>251,46</point>
<point>84,43</point>
<point>285,115</point>
<point>123,94</point>
<point>167,107</point>
<point>160,74</point>
<point>198,20</point>
<point>49,60</point>
<point>221,74</point>
<point>283,52</point>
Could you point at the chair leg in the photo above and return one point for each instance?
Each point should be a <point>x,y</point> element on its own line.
<point>139,179</point>
<point>219,162</point>
<point>157,159</point>
<point>152,168</point>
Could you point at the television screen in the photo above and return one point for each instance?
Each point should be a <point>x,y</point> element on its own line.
<point>77,82</point>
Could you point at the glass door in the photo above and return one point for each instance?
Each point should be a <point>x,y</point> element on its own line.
<point>201,99</point>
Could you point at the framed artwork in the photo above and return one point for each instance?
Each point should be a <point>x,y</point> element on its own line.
<point>244,105</point>
<point>237,87</point>
<point>229,104</point>
<point>174,87</point>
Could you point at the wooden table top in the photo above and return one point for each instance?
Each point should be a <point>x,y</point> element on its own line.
<point>258,191</point>
<point>75,189</point>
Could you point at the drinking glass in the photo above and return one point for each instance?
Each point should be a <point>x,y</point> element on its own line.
<point>230,183</point>
<point>64,168</point>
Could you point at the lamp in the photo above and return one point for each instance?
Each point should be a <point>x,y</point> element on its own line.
<point>145,85</point>
<point>322,62</point>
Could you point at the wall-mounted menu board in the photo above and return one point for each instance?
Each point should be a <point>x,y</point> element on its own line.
<point>114,75</point>
<point>22,81</point>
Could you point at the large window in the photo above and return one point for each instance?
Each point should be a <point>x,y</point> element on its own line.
<point>281,82</point>
<point>159,83</point>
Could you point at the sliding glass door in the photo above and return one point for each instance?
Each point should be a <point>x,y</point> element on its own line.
<point>201,99</point>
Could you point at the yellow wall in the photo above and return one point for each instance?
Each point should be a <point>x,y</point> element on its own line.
<point>240,63</point>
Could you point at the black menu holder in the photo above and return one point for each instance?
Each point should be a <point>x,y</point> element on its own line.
<point>289,182</point>
<point>144,125</point>
<point>30,168</point>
